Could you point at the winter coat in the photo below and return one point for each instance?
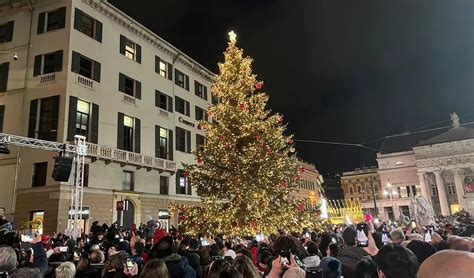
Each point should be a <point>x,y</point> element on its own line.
<point>349,258</point>
<point>195,262</point>
<point>40,259</point>
<point>178,266</point>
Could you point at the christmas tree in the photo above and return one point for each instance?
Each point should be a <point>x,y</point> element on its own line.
<point>247,168</point>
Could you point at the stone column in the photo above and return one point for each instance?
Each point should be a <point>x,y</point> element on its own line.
<point>425,190</point>
<point>459,189</point>
<point>443,200</point>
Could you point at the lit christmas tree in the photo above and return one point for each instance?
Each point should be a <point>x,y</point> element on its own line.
<point>246,169</point>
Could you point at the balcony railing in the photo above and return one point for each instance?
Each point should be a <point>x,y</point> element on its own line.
<point>126,157</point>
<point>128,99</point>
<point>164,113</point>
<point>47,78</point>
<point>84,81</point>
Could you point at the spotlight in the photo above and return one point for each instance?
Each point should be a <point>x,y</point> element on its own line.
<point>4,148</point>
<point>15,56</point>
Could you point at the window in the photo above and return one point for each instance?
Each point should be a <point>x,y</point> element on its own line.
<point>351,191</point>
<point>85,66</point>
<point>130,86</point>
<point>83,120</point>
<point>128,137</point>
<point>6,32</point>
<point>163,143</point>
<point>200,140</point>
<point>4,76</point>
<point>182,106</point>
<point>183,186</point>
<point>434,190</point>
<point>359,189</point>
<point>51,20</point>
<point>85,180</point>
<point>163,68</point>
<point>128,181</point>
<point>181,79</point>
<point>164,185</point>
<point>48,63</point>
<point>200,90</point>
<point>39,174</point>
<point>128,133</point>
<point>163,101</point>
<point>43,119</point>
<point>183,140</point>
<point>451,188</point>
<point>404,191</point>
<point>2,116</point>
<point>86,24</point>
<point>200,114</point>
<point>130,49</point>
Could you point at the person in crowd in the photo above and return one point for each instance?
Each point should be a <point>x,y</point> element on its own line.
<point>27,272</point>
<point>397,236</point>
<point>244,252</point>
<point>194,257</point>
<point>229,250</point>
<point>421,249</point>
<point>65,270</point>
<point>223,268</point>
<point>334,250</point>
<point>155,269</point>
<point>8,259</point>
<point>351,254</point>
<point>313,259</point>
<point>331,267</point>
<point>324,242</point>
<point>448,264</point>
<point>282,270</point>
<point>166,250</point>
<point>460,244</point>
<point>395,261</point>
<point>245,266</point>
<point>90,265</point>
<point>366,268</point>
<point>138,248</point>
<point>264,259</point>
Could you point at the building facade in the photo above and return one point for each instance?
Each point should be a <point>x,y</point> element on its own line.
<point>437,165</point>
<point>310,187</point>
<point>86,68</point>
<point>332,187</point>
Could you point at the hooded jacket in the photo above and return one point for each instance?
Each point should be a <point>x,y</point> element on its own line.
<point>178,266</point>
<point>349,258</point>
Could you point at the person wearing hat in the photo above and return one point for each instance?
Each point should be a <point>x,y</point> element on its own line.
<point>165,249</point>
<point>331,267</point>
<point>421,249</point>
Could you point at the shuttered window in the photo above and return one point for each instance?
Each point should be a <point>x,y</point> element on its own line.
<point>183,140</point>
<point>130,86</point>
<point>163,101</point>
<point>181,79</point>
<point>51,20</point>
<point>4,68</point>
<point>85,66</point>
<point>48,63</point>
<point>163,68</point>
<point>128,133</point>
<point>88,25</point>
<point>130,49</point>
<point>83,120</point>
<point>200,90</point>
<point>182,106</point>
<point>6,32</point>
<point>43,118</point>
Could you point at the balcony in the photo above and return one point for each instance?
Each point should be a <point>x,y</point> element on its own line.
<point>47,78</point>
<point>84,81</point>
<point>128,99</point>
<point>163,113</point>
<point>130,158</point>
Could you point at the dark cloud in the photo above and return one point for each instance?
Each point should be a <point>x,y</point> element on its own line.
<point>347,71</point>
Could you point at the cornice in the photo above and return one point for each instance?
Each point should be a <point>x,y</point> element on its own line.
<point>147,35</point>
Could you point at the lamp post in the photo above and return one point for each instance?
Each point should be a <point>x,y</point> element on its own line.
<point>390,192</point>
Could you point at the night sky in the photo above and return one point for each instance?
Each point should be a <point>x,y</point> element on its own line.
<point>346,71</point>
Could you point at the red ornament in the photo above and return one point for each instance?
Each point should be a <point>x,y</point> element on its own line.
<point>186,173</point>
<point>301,170</point>
<point>301,206</point>
<point>200,160</point>
<point>254,224</point>
<point>259,85</point>
<point>196,227</point>
<point>222,137</point>
<point>282,184</point>
<point>242,106</point>
<point>290,141</point>
<point>258,138</point>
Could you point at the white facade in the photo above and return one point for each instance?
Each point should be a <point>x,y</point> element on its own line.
<point>106,161</point>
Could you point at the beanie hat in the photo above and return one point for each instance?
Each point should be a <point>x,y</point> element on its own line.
<point>158,235</point>
<point>349,235</point>
<point>331,267</point>
<point>421,249</point>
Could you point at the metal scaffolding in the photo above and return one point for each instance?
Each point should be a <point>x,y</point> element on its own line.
<point>79,151</point>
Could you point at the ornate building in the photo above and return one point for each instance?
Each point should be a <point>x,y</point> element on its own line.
<point>439,164</point>
<point>310,188</point>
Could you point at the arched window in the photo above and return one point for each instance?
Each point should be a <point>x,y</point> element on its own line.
<point>351,191</point>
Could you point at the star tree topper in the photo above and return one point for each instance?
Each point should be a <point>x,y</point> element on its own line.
<point>232,36</point>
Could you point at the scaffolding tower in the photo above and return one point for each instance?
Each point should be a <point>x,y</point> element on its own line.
<point>78,150</point>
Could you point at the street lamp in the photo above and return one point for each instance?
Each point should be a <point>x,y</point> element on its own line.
<point>15,54</point>
<point>390,192</point>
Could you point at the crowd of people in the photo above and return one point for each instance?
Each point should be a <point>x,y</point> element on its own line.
<point>149,251</point>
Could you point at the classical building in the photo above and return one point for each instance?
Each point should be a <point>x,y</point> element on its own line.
<point>309,188</point>
<point>83,67</point>
<point>436,164</point>
<point>362,185</point>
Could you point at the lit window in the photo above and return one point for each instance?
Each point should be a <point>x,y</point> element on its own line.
<point>163,69</point>
<point>128,121</point>
<point>82,117</point>
<point>130,50</point>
